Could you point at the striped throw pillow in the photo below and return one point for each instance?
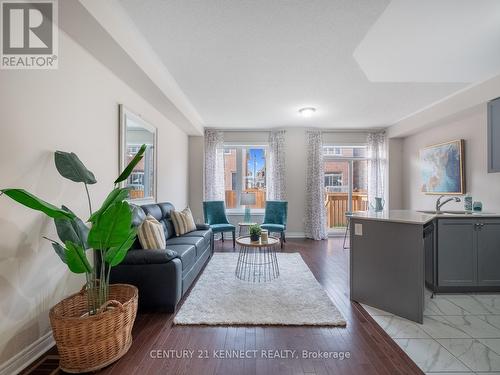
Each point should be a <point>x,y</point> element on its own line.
<point>151,234</point>
<point>183,221</point>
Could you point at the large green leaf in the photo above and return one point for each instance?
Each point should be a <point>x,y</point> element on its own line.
<point>29,200</point>
<point>73,230</point>
<point>115,255</point>
<point>130,167</point>
<point>112,228</point>
<point>60,251</point>
<point>76,259</point>
<point>72,168</point>
<point>116,195</point>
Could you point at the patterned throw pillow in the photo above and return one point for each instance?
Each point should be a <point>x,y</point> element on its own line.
<point>151,234</point>
<point>183,221</point>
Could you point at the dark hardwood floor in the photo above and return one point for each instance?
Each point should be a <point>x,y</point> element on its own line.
<point>371,350</point>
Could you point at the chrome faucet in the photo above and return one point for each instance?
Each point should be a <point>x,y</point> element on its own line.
<point>440,204</point>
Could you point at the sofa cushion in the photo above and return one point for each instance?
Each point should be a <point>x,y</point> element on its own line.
<point>151,234</point>
<point>206,234</point>
<point>166,209</point>
<point>155,256</point>
<point>187,253</point>
<point>183,221</point>
<point>161,212</point>
<point>153,210</point>
<point>198,242</point>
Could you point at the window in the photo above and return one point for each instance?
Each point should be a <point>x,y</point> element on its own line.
<point>136,179</point>
<point>332,151</point>
<point>245,171</point>
<point>346,182</point>
<point>133,149</point>
<point>333,180</point>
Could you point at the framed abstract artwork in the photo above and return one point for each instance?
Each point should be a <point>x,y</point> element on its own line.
<point>443,168</point>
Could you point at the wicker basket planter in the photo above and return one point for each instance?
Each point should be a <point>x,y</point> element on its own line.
<point>89,343</point>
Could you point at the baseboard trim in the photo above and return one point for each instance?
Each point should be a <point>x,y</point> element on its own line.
<point>295,234</point>
<point>28,355</point>
<point>228,236</point>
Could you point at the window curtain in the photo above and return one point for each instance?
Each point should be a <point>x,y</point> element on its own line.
<point>315,225</point>
<point>214,165</point>
<point>377,165</point>
<point>275,179</point>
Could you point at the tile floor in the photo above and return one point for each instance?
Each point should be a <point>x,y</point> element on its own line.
<point>460,334</point>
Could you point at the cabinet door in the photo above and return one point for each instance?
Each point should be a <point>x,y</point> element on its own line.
<point>457,253</point>
<point>488,247</point>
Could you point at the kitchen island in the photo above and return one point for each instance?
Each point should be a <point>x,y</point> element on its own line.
<point>394,254</point>
<point>387,261</point>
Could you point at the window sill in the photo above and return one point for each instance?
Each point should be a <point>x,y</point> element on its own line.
<point>240,212</point>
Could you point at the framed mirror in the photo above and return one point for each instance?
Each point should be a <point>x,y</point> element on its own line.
<point>134,132</point>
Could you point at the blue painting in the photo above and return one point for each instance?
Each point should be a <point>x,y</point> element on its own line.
<point>442,168</point>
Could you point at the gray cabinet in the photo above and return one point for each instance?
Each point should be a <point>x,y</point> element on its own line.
<point>457,254</point>
<point>468,254</point>
<point>488,252</point>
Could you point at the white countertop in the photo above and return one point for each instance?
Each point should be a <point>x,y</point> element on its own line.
<point>398,216</point>
<point>413,217</point>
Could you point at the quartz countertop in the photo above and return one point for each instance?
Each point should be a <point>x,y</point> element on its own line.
<point>415,217</point>
<point>397,216</point>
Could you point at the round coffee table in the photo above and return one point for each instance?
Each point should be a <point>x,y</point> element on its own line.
<point>257,260</point>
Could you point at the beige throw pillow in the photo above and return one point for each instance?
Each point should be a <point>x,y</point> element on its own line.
<point>151,234</point>
<point>183,221</point>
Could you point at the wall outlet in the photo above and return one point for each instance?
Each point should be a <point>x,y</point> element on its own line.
<point>358,229</point>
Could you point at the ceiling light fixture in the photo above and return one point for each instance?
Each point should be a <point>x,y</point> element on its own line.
<point>307,111</point>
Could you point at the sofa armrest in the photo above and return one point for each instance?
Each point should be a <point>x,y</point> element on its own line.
<point>149,256</point>
<point>202,226</point>
<point>160,285</point>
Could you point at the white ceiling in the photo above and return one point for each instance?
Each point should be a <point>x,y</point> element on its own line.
<point>254,63</point>
<point>436,41</point>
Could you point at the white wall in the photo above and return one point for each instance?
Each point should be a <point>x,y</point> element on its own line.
<point>74,108</point>
<point>296,164</point>
<point>470,125</point>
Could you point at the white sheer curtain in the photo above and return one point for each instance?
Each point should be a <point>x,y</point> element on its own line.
<point>377,165</point>
<point>275,179</point>
<point>214,165</point>
<point>315,225</point>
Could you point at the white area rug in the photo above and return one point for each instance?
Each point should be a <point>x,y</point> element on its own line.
<point>295,298</point>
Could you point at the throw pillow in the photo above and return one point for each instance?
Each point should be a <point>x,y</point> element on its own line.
<point>183,221</point>
<point>151,234</point>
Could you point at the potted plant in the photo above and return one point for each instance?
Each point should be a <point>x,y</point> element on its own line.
<point>255,232</point>
<point>91,328</point>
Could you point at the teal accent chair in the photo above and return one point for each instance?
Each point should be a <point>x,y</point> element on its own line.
<point>275,218</point>
<point>215,216</point>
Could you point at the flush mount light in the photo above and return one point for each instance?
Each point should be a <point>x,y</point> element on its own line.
<point>307,111</point>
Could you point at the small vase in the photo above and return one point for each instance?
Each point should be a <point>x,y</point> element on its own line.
<point>254,237</point>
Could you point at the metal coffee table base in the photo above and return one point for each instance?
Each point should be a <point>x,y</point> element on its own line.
<point>257,264</point>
